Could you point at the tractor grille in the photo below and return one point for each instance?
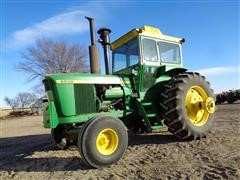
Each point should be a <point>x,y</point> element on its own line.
<point>85,98</point>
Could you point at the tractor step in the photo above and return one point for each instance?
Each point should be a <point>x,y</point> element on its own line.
<point>151,115</point>
<point>156,128</point>
<point>146,103</point>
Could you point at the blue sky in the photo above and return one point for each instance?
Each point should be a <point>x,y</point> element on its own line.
<point>211,30</point>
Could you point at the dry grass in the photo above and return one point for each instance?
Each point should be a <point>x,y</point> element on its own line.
<point>4,112</point>
<point>7,112</point>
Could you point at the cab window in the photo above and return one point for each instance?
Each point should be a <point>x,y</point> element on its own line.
<point>149,50</point>
<point>126,55</point>
<point>169,52</point>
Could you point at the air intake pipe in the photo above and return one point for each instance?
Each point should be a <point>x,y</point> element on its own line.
<point>93,49</point>
<point>105,41</point>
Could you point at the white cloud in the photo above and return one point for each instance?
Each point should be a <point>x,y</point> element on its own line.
<point>69,22</point>
<point>218,70</point>
<point>61,24</point>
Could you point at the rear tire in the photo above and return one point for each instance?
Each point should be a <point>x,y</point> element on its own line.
<point>102,141</point>
<point>188,105</point>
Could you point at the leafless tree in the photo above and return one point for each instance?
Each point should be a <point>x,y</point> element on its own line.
<point>12,102</point>
<point>38,90</point>
<point>26,99</point>
<point>49,56</point>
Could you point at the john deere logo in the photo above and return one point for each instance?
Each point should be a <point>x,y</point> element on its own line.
<point>65,81</point>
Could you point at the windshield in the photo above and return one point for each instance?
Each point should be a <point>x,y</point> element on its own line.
<point>126,55</point>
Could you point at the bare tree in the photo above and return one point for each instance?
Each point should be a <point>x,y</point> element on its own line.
<point>39,90</point>
<point>12,102</point>
<point>49,56</point>
<point>26,99</point>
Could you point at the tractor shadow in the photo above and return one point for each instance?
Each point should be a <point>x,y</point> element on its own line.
<point>35,153</point>
<point>156,138</point>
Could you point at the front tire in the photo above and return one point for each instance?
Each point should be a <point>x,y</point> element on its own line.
<point>102,141</point>
<point>188,106</point>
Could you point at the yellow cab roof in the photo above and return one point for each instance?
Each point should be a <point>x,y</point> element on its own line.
<point>145,31</point>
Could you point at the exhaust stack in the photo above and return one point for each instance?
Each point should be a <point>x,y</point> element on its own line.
<point>105,41</point>
<point>93,49</point>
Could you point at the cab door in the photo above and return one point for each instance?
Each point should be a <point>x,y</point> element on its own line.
<point>150,61</point>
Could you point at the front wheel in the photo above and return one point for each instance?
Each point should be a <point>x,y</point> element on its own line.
<point>102,141</point>
<point>188,106</point>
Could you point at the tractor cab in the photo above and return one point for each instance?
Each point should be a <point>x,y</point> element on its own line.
<point>146,53</point>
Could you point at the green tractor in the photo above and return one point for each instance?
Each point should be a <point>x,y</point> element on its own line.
<point>148,87</point>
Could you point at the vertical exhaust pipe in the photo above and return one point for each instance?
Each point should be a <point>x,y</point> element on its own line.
<point>93,49</point>
<point>105,41</point>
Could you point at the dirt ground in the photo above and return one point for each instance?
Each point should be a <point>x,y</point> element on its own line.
<point>26,152</point>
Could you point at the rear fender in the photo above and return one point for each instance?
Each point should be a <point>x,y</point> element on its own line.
<point>161,71</point>
<point>174,71</point>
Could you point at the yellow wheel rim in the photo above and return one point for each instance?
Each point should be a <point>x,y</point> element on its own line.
<point>107,141</point>
<point>198,105</point>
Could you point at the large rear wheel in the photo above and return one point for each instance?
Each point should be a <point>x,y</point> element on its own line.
<point>188,105</point>
<point>102,141</point>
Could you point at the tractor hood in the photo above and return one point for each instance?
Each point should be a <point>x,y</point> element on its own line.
<point>84,78</point>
